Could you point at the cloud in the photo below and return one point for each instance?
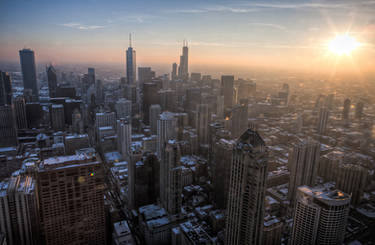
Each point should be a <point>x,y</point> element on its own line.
<point>259,6</point>
<point>79,26</point>
<point>279,27</point>
<point>216,8</point>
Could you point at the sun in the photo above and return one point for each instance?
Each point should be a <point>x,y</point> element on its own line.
<point>343,45</point>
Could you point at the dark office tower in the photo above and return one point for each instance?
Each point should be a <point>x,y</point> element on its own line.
<point>346,110</point>
<point>222,159</point>
<point>91,75</point>
<point>170,178</point>
<point>150,97</point>
<point>152,168</point>
<point>18,210</point>
<point>34,113</point>
<point>145,75</point>
<point>52,81</point>
<point>57,117</point>
<point>323,120</point>
<point>8,132</point>
<point>320,216</point>
<point>19,108</point>
<point>202,124</point>
<point>227,90</point>
<point>247,185</point>
<point>238,120</point>
<point>99,95</point>
<point>303,164</point>
<point>70,197</point>
<point>29,71</point>
<point>174,72</point>
<point>5,89</point>
<point>183,70</point>
<point>359,110</point>
<point>130,63</point>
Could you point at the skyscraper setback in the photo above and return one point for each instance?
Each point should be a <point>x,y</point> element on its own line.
<point>27,60</point>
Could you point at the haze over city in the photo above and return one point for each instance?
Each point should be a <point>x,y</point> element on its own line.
<point>226,35</point>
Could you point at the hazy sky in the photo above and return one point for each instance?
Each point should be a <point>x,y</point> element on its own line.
<point>227,33</point>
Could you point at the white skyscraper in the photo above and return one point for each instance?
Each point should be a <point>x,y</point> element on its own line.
<point>166,130</point>
<point>245,207</point>
<point>320,216</point>
<point>124,130</point>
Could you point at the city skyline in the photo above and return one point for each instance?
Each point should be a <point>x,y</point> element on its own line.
<point>272,34</point>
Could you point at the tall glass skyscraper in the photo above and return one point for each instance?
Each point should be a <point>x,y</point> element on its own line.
<point>27,60</point>
<point>130,64</point>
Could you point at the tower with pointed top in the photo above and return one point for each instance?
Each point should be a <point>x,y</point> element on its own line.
<point>52,80</point>
<point>130,63</point>
<point>247,185</point>
<point>183,70</point>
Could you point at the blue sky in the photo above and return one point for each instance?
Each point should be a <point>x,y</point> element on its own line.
<point>225,32</point>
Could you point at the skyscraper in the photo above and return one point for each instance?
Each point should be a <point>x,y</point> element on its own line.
<point>19,108</point>
<point>167,129</point>
<point>5,89</point>
<point>170,178</point>
<point>27,60</point>
<point>70,197</point>
<point>57,117</point>
<point>145,75</point>
<point>303,164</point>
<point>155,111</point>
<point>323,120</point>
<point>52,81</point>
<point>245,207</point>
<point>8,131</point>
<point>130,63</point>
<point>222,158</point>
<point>174,72</point>
<point>346,109</point>
<point>202,124</point>
<point>18,210</point>
<point>227,90</point>
<point>183,70</point>
<point>124,131</point>
<point>238,120</point>
<point>320,216</point>
<point>150,97</point>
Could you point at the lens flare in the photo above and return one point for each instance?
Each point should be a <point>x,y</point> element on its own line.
<point>343,45</point>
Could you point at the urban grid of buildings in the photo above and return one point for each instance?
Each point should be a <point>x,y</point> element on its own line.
<point>182,158</point>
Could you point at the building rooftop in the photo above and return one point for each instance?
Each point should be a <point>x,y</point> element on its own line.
<point>325,195</point>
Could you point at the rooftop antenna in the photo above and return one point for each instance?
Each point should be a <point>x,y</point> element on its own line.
<point>130,40</point>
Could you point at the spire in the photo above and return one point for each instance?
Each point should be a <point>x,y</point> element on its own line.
<point>130,40</point>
